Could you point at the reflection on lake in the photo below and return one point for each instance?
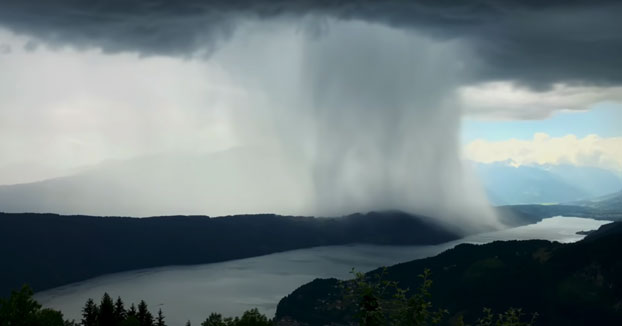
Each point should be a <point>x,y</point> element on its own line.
<point>193,292</point>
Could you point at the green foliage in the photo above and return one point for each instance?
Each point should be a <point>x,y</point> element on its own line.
<point>49,317</point>
<point>418,310</point>
<point>253,318</point>
<point>378,302</point>
<point>22,310</point>
<point>382,302</point>
<point>512,317</point>
<point>214,319</point>
<point>249,318</point>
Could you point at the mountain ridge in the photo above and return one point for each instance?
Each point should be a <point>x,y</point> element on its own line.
<point>75,248</point>
<point>506,184</point>
<point>566,284</point>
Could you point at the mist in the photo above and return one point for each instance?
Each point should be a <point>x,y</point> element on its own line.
<point>292,107</point>
<point>370,110</point>
<point>366,111</point>
<point>328,117</point>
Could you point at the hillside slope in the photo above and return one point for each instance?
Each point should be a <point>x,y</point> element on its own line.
<point>537,184</point>
<point>46,250</point>
<point>611,202</point>
<point>571,284</point>
<point>229,182</point>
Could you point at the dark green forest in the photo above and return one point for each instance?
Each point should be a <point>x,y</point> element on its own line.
<point>566,284</point>
<point>504,283</point>
<point>75,248</point>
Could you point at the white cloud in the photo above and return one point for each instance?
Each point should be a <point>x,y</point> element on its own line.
<point>507,101</point>
<point>591,150</point>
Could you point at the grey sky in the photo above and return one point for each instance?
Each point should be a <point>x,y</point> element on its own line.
<point>338,107</point>
<point>534,42</point>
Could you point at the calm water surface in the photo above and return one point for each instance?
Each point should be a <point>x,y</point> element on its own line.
<point>193,292</point>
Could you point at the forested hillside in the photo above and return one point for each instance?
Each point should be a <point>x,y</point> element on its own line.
<point>566,284</point>
<point>47,250</point>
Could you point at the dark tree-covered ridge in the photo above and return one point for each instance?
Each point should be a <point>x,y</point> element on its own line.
<point>48,250</point>
<point>566,284</point>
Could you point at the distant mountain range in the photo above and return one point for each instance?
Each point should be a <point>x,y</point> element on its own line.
<point>237,181</point>
<point>509,185</point>
<point>608,207</point>
<point>566,284</point>
<point>162,185</point>
<point>47,250</point>
<point>610,202</point>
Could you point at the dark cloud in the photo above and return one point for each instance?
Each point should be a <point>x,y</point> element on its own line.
<point>533,42</point>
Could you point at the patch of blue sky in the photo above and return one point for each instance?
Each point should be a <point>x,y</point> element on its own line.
<point>604,120</point>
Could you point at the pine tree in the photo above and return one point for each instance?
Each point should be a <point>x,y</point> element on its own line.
<point>119,311</point>
<point>90,313</point>
<point>160,319</point>
<point>131,313</point>
<point>144,316</point>
<point>106,312</point>
<point>130,321</point>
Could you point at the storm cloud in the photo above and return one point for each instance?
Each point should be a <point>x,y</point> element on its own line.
<point>347,105</point>
<point>536,43</point>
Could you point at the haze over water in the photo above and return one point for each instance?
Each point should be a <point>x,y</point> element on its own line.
<point>193,292</point>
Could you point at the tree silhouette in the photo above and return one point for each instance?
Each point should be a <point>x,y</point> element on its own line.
<point>160,319</point>
<point>132,312</point>
<point>130,321</point>
<point>379,302</point>
<point>49,317</point>
<point>214,319</point>
<point>22,310</point>
<point>254,318</point>
<point>119,311</point>
<point>106,315</point>
<point>90,312</point>
<point>144,316</point>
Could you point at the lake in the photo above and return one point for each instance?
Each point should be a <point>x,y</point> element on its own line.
<point>193,292</point>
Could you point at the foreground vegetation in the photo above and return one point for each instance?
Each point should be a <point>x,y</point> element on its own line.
<point>568,284</point>
<point>20,309</point>
<point>381,302</point>
<point>378,303</point>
